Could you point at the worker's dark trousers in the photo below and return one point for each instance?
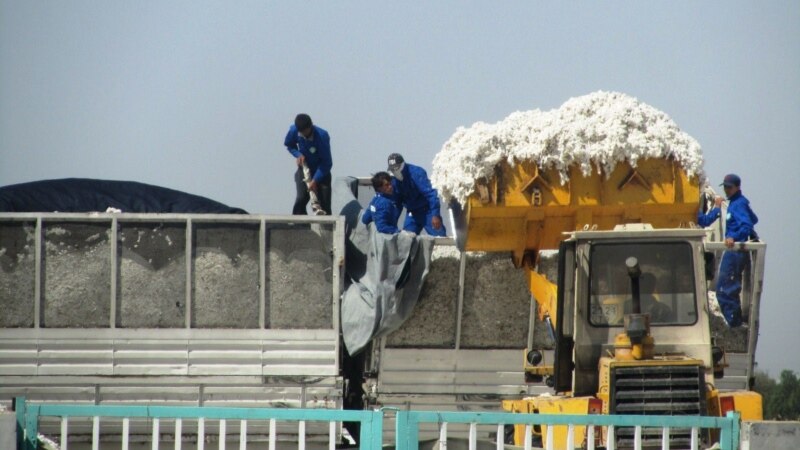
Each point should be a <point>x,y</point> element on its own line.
<point>302,199</point>
<point>416,221</point>
<point>729,286</point>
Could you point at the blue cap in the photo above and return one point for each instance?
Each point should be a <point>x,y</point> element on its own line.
<point>731,179</point>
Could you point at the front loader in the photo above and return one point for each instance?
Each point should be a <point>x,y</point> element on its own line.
<point>629,312</point>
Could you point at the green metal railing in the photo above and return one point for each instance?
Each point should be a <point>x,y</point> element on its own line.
<point>28,415</point>
<point>408,424</point>
<point>371,429</point>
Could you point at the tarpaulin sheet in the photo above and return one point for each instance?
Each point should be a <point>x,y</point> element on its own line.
<point>386,271</point>
<point>89,195</point>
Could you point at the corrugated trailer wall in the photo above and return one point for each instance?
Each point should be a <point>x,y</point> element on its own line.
<point>171,309</point>
<point>243,311</point>
<point>462,349</point>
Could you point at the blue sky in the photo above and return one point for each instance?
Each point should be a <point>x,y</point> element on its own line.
<point>197,96</point>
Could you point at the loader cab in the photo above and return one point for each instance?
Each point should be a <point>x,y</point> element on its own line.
<point>595,294</point>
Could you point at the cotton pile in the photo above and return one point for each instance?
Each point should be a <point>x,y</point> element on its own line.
<point>595,131</point>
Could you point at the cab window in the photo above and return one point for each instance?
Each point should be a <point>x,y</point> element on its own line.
<point>666,284</point>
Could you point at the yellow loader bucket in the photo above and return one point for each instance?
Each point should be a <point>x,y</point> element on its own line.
<point>523,209</point>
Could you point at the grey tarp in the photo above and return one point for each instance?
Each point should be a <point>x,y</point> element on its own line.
<point>387,274</point>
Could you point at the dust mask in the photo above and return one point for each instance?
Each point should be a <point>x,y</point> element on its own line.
<point>398,172</point>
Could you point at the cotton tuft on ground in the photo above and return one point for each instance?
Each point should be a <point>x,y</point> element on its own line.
<point>595,131</point>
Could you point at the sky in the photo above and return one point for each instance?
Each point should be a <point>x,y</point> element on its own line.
<point>198,95</point>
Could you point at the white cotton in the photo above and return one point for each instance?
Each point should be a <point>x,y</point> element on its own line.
<point>595,131</point>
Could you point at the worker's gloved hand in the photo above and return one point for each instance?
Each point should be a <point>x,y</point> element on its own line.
<point>301,160</point>
<point>312,186</point>
<point>717,201</point>
<point>436,222</point>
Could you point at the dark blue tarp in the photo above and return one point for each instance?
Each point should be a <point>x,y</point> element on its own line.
<point>88,195</point>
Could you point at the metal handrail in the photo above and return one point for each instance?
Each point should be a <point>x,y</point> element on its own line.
<point>371,434</point>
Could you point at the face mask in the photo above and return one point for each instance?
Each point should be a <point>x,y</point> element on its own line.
<point>398,173</point>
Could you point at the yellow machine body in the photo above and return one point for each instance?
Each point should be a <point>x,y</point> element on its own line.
<point>552,405</point>
<point>747,403</point>
<point>523,209</point>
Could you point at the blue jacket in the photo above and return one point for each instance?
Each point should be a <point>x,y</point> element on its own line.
<point>739,222</point>
<point>384,211</point>
<point>317,150</point>
<point>415,191</point>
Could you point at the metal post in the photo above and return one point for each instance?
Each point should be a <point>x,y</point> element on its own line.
<point>590,437</point>
<point>443,436</point>
<point>222,433</point>
<point>113,244</point>
<point>611,441</point>
<point>272,435</point>
<point>331,435</point>
<point>96,433</point>
<point>729,432</point>
<point>64,433</point>
<point>201,433</point>
<point>243,435</point>
<point>473,436</point>
<point>757,269</point>
<point>31,435</point>
<point>462,269</point>
<point>262,274</point>
<point>178,433</point>
<point>337,274</point>
<point>527,441</point>
<point>19,409</point>
<point>571,437</point>
<point>37,284</point>
<point>156,434</point>
<point>301,435</point>
<point>188,256</point>
<point>375,429</point>
<point>126,428</point>
<point>407,431</point>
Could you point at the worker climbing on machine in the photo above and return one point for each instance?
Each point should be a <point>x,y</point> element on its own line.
<point>384,209</point>
<point>421,201</point>
<point>739,224</point>
<point>311,146</point>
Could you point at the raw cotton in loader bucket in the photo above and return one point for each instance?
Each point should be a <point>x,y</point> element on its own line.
<point>595,131</point>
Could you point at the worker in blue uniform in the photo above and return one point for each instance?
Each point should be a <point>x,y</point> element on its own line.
<point>420,199</point>
<point>311,147</point>
<point>384,209</point>
<point>739,227</point>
